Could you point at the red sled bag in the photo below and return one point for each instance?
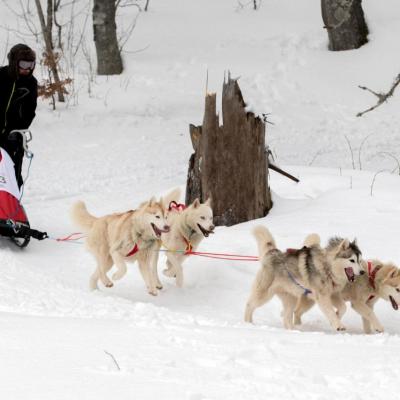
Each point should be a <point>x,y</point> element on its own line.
<point>13,220</point>
<point>10,207</point>
<point>14,223</point>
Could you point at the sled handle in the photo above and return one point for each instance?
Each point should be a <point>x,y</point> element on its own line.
<point>26,138</point>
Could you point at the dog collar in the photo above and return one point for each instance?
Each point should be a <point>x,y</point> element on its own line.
<point>133,251</point>
<point>372,274</point>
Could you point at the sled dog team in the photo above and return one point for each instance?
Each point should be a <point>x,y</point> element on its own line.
<point>327,276</point>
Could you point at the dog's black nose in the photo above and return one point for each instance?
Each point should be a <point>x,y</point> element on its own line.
<point>166,228</point>
<point>362,272</point>
<point>212,227</point>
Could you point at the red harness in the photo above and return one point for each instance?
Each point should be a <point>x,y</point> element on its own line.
<point>371,278</point>
<point>189,246</point>
<point>133,251</point>
<point>176,206</point>
<point>372,274</point>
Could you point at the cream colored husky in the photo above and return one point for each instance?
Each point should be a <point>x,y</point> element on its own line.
<point>188,228</point>
<point>130,236</point>
<point>312,271</point>
<point>381,282</point>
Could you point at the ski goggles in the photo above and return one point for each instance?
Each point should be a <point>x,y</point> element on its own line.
<point>23,64</point>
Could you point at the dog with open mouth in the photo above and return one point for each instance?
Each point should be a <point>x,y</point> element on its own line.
<point>130,236</point>
<point>189,226</point>
<point>382,281</point>
<point>311,272</point>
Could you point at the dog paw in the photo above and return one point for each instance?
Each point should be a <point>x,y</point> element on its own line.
<point>378,329</point>
<point>159,287</point>
<point>109,284</point>
<point>297,320</point>
<point>169,272</point>
<point>153,292</point>
<point>341,328</point>
<point>179,282</point>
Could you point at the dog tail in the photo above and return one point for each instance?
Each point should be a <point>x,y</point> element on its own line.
<point>312,239</point>
<point>81,216</point>
<point>174,195</point>
<point>265,241</point>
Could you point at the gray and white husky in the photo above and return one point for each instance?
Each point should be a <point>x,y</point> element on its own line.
<point>382,281</point>
<point>313,271</point>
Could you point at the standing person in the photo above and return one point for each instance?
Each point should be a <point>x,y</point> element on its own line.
<point>18,100</point>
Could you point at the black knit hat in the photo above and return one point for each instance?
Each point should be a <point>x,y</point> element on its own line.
<point>17,53</point>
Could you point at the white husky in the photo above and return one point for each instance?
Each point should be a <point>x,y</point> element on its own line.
<point>188,228</point>
<point>130,236</point>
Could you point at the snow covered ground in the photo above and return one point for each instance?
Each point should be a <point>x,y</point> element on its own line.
<point>129,140</point>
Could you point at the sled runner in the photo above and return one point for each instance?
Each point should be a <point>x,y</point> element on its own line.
<point>14,222</point>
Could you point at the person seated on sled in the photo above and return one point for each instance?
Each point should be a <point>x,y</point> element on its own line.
<point>18,100</point>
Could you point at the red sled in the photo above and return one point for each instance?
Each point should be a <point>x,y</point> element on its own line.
<point>14,222</point>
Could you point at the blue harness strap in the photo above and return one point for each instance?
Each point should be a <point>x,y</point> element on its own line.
<point>306,291</point>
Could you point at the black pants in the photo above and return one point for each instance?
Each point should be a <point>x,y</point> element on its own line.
<point>13,145</point>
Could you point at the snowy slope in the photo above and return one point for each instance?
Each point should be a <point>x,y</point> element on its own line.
<point>129,140</point>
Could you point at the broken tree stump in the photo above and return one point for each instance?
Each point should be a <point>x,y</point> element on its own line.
<point>230,163</point>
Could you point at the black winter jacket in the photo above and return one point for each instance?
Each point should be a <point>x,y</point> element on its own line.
<point>18,100</point>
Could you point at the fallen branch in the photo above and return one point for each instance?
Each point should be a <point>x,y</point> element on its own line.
<point>282,172</point>
<point>113,358</point>
<point>382,97</point>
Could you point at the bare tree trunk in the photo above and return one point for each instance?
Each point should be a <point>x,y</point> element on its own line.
<point>230,164</point>
<point>59,27</point>
<point>345,23</point>
<point>109,61</point>
<point>47,36</point>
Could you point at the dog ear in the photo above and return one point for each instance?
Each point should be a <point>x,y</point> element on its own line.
<point>390,272</point>
<point>208,202</point>
<point>144,204</point>
<point>394,273</point>
<point>345,244</point>
<point>152,201</point>
<point>196,203</point>
<point>378,264</point>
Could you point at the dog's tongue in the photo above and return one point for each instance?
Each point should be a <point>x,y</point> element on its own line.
<point>394,304</point>
<point>349,273</point>
<point>156,230</point>
<point>205,232</point>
